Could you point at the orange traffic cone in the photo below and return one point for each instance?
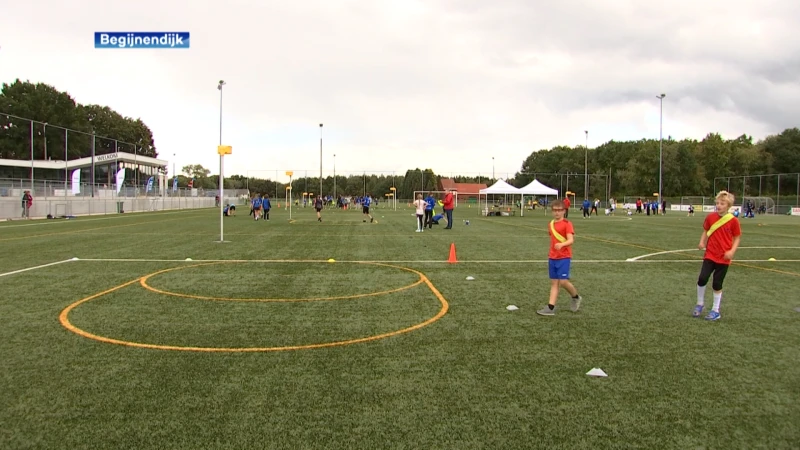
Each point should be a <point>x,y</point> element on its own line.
<point>452,259</point>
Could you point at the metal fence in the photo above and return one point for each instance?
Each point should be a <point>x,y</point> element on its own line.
<point>50,198</point>
<point>53,188</point>
<point>781,188</point>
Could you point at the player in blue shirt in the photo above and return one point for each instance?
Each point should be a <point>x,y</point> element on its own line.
<point>266,205</point>
<point>257,206</point>
<point>430,203</point>
<point>586,205</point>
<point>365,207</point>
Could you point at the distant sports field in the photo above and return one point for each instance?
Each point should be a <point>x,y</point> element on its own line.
<point>260,342</point>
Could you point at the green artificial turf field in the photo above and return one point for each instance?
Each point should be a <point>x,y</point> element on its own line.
<point>390,346</point>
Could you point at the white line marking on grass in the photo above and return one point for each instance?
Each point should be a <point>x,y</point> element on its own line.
<point>536,261</point>
<point>386,261</point>
<point>639,258</point>
<point>83,218</point>
<point>36,267</point>
<point>666,252</point>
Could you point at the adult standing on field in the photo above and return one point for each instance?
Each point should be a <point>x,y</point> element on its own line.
<point>448,204</point>
<point>27,202</point>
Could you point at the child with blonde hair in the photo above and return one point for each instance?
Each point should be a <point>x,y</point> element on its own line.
<point>720,239</point>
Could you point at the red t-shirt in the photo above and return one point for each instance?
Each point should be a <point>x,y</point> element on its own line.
<point>721,240</point>
<point>566,203</point>
<point>563,227</point>
<point>448,201</point>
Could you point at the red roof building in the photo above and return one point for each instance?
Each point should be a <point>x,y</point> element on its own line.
<point>463,190</point>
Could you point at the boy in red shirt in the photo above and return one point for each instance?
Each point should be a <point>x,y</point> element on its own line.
<point>720,239</point>
<point>562,236</point>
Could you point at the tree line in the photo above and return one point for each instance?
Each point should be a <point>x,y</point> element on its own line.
<point>689,167</point>
<point>56,110</point>
<point>350,185</point>
<point>617,168</point>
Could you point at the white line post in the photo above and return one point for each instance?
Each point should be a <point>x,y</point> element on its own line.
<point>221,150</point>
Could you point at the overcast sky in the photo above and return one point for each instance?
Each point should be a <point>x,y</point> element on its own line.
<point>443,84</point>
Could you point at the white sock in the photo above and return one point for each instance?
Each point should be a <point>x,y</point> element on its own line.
<point>701,293</point>
<point>717,300</point>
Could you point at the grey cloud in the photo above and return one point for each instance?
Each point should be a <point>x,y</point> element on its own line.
<point>471,73</point>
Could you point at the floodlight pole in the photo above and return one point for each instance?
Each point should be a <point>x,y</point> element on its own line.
<point>66,164</point>
<point>32,190</point>
<point>334,177</point>
<point>660,148</point>
<point>493,167</point>
<point>221,176</point>
<point>320,160</point>
<point>586,167</point>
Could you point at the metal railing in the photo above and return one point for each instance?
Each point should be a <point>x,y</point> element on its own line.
<point>51,198</point>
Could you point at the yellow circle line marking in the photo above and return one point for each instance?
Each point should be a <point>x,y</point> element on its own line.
<point>64,319</point>
<point>143,283</point>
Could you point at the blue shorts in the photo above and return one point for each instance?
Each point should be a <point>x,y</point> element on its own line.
<point>559,269</point>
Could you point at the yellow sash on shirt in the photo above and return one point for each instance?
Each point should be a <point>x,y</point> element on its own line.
<point>719,224</point>
<point>558,237</point>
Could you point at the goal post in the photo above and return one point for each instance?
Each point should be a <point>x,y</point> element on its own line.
<point>762,205</point>
<point>464,198</point>
<point>701,204</point>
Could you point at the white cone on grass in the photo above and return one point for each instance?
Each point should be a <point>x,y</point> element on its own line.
<point>188,259</point>
<point>470,278</point>
<point>596,372</point>
<point>512,307</point>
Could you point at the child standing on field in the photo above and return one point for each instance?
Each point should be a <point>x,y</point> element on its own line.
<point>720,239</point>
<point>562,235</point>
<point>420,205</point>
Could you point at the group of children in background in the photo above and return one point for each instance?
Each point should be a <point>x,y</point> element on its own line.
<point>259,207</point>
<point>650,206</point>
<point>425,213</point>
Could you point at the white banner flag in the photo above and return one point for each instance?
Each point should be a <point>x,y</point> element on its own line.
<point>120,179</point>
<point>76,181</point>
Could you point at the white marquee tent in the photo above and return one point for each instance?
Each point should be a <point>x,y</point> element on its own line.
<point>536,188</point>
<point>499,188</point>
